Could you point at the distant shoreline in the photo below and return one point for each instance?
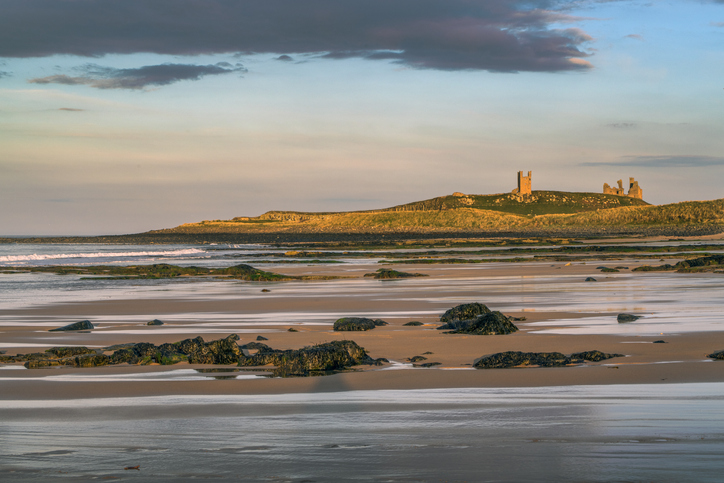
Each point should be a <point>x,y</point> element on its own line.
<point>367,237</point>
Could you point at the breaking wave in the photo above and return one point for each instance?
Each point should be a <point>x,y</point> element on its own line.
<point>61,256</point>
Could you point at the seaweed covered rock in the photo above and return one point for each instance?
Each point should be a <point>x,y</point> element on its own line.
<point>330,356</point>
<point>356,324</point>
<point>717,356</point>
<point>82,325</point>
<point>624,318</point>
<point>389,274</point>
<point>155,322</point>
<point>249,273</point>
<point>503,360</point>
<point>414,323</point>
<point>493,323</point>
<point>61,352</point>
<point>222,351</point>
<point>256,346</point>
<point>464,312</point>
<point>85,360</point>
<point>594,356</point>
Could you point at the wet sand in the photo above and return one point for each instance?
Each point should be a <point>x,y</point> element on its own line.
<point>681,359</point>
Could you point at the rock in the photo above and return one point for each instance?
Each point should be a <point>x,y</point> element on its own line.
<point>354,324</point>
<point>428,364</point>
<point>330,356</point>
<point>464,312</point>
<point>292,329</point>
<point>624,318</point>
<point>591,279</point>
<point>380,323</point>
<point>516,319</point>
<point>417,359</point>
<point>258,337</point>
<point>256,346</point>
<point>609,270</point>
<point>388,274</point>
<point>94,360</point>
<point>62,352</point>
<point>514,359</point>
<point>717,356</point>
<point>659,342</point>
<point>83,325</point>
<point>222,351</point>
<point>621,268</point>
<point>494,323</point>
<point>594,356</point>
<point>413,323</point>
<point>265,290</point>
<point>155,322</point>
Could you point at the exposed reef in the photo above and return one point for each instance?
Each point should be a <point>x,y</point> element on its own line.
<point>357,324</point>
<point>388,274</point>
<point>504,360</point>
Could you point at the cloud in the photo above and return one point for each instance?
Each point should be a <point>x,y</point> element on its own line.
<point>70,109</point>
<point>4,74</point>
<point>718,24</point>
<point>621,125</point>
<point>670,161</point>
<point>494,35</point>
<point>151,75</point>
<point>634,36</point>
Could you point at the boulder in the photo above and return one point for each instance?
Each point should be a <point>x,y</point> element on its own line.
<point>514,359</point>
<point>594,356</point>
<point>82,325</point>
<point>155,322</point>
<point>465,312</point>
<point>256,346</point>
<point>330,356</point>
<point>717,356</point>
<point>493,323</point>
<point>428,364</point>
<point>354,324</point>
<point>258,337</point>
<point>591,279</point>
<point>624,318</point>
<point>413,323</point>
<point>659,342</point>
<point>417,359</point>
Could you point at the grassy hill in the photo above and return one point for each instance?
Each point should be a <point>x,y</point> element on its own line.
<point>542,210</point>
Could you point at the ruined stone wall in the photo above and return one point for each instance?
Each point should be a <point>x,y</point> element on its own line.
<point>634,190</point>
<point>524,183</point>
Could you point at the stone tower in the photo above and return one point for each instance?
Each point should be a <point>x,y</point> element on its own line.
<point>634,190</point>
<point>524,183</point>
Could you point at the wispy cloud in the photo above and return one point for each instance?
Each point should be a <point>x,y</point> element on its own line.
<point>4,74</point>
<point>70,109</point>
<point>634,36</point>
<point>151,75</point>
<point>663,161</point>
<point>495,35</point>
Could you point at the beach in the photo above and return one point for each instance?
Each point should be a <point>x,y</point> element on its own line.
<point>435,418</point>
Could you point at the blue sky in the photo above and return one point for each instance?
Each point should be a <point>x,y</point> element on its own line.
<point>119,116</point>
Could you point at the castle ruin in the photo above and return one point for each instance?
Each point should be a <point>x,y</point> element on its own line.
<point>634,190</point>
<point>524,184</point>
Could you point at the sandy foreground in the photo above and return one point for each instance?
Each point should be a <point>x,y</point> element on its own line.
<point>681,359</point>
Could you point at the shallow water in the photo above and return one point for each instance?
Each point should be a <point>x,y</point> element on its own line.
<point>663,433</point>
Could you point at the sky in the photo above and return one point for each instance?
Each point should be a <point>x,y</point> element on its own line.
<point>122,116</point>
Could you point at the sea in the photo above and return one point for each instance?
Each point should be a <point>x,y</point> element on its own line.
<point>626,433</point>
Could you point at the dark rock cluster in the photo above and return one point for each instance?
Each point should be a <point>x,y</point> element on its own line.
<point>493,323</point>
<point>357,324</point>
<point>503,360</point>
<point>314,360</point>
<point>465,312</point>
<point>82,325</point>
<point>717,356</point>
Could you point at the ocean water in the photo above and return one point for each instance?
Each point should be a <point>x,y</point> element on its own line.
<point>663,433</point>
<point>670,303</point>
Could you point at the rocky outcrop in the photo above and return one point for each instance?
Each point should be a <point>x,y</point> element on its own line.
<point>82,325</point>
<point>389,274</point>
<point>312,360</point>
<point>465,312</point>
<point>624,318</point>
<point>505,360</point>
<point>61,352</point>
<point>155,322</point>
<point>357,324</point>
<point>493,323</point>
<point>591,279</point>
<point>717,356</point>
<point>413,323</point>
<point>594,356</point>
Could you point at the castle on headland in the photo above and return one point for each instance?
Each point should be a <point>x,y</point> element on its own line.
<point>634,190</point>
<point>524,184</point>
